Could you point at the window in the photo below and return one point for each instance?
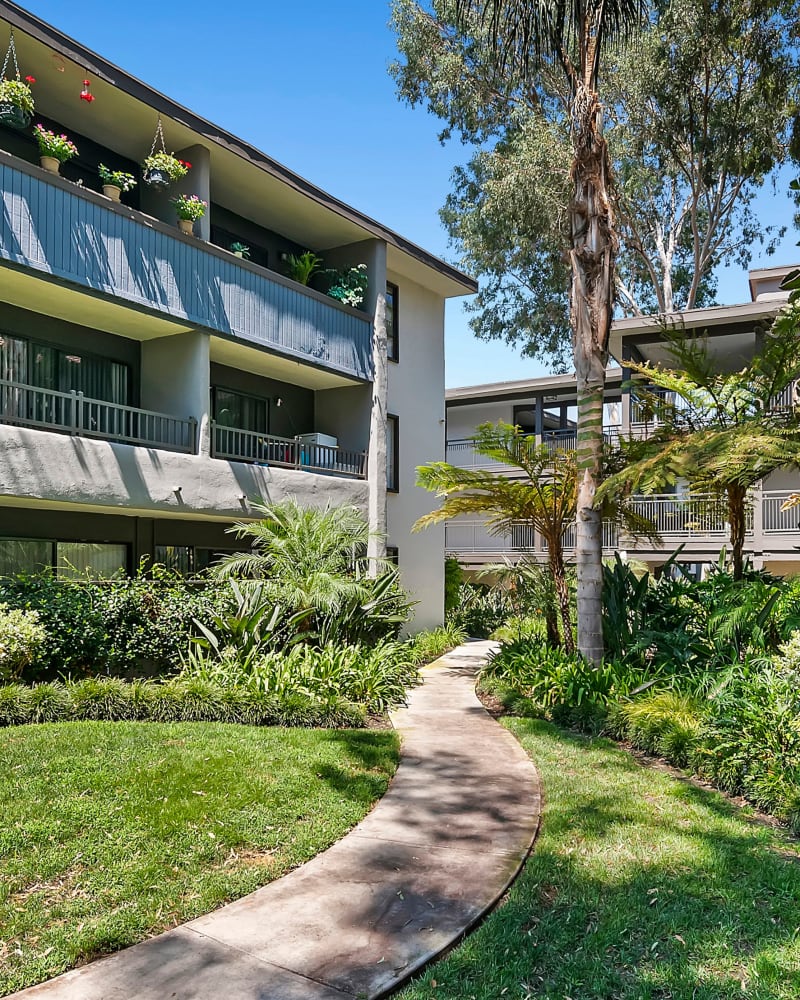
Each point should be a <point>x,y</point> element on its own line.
<point>24,556</point>
<point>236,409</point>
<point>393,555</point>
<point>392,453</point>
<point>96,560</point>
<point>30,363</point>
<point>209,557</point>
<point>176,558</point>
<point>392,322</point>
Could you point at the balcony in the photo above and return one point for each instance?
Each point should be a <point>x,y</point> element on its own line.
<point>288,453</point>
<point>473,538</point>
<point>60,229</point>
<point>76,414</point>
<point>698,516</point>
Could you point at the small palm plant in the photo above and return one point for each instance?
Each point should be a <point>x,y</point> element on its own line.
<point>312,560</point>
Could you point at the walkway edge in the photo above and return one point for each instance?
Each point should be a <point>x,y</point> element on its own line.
<point>434,856</point>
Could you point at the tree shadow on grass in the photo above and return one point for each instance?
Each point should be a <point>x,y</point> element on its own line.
<point>376,750</point>
<point>640,887</point>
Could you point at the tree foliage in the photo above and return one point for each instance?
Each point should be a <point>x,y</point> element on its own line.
<point>698,117</point>
<point>718,430</point>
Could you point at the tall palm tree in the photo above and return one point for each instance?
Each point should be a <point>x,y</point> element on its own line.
<point>721,432</point>
<point>545,497</point>
<point>571,37</point>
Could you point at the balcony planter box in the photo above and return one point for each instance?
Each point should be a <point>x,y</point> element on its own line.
<point>14,116</point>
<point>186,226</point>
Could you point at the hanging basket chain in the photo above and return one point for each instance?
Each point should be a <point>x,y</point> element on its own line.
<point>159,135</point>
<point>11,53</point>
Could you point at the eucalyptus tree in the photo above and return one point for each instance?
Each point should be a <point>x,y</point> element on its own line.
<point>569,38</point>
<point>721,432</point>
<point>542,493</point>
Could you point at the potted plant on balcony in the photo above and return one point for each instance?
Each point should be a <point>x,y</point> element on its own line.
<point>240,250</point>
<point>115,182</point>
<point>54,149</point>
<point>348,284</point>
<point>301,267</point>
<point>16,102</point>
<point>162,169</point>
<point>190,208</point>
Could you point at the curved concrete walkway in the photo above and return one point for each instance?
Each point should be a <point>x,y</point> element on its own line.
<point>437,851</point>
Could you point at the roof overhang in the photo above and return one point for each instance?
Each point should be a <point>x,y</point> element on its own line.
<point>248,177</point>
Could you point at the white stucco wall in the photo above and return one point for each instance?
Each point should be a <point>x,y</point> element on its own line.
<point>416,396</point>
<point>42,465</point>
<point>462,420</point>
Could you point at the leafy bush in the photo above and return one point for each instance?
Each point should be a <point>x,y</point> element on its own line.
<point>22,637</point>
<point>563,687</point>
<point>750,742</point>
<point>453,578</point>
<point>666,723</point>
<point>480,610</point>
<point>430,645</point>
<point>521,627</point>
<point>376,677</point>
<point>141,624</point>
<point>176,700</point>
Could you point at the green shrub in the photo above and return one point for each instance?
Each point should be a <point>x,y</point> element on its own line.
<point>49,702</point>
<point>192,700</point>
<point>14,704</point>
<point>430,644</point>
<point>530,627</point>
<point>666,724</point>
<point>22,638</point>
<point>750,742</point>
<point>480,610</point>
<point>101,698</point>
<point>376,677</point>
<point>557,685</point>
<point>453,578</point>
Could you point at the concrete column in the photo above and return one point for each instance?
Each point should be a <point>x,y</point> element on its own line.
<point>538,414</point>
<point>176,379</point>
<point>625,407</point>
<point>158,202</point>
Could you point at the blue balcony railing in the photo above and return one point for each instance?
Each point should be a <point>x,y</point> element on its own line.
<point>58,228</point>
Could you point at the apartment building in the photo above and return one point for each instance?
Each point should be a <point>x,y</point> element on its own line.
<point>546,408</point>
<point>155,383</point>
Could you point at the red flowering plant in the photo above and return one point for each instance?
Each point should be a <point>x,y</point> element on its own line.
<point>166,163</point>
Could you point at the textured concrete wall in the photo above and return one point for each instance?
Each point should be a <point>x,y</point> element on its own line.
<point>462,420</point>
<point>56,467</point>
<point>416,394</point>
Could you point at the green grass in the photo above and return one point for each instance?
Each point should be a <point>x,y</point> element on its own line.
<point>641,887</point>
<point>110,832</point>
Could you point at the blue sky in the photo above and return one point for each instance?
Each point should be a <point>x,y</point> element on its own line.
<point>308,84</point>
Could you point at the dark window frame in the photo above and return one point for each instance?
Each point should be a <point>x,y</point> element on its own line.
<point>393,334</point>
<point>393,555</point>
<point>393,423</point>
<point>266,400</point>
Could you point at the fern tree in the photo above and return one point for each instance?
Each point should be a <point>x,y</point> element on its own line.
<point>721,432</point>
<point>545,497</point>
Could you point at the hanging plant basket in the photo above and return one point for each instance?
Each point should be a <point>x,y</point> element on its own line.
<point>161,168</point>
<point>156,178</point>
<point>14,116</point>
<point>16,99</point>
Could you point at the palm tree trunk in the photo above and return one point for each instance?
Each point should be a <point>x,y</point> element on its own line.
<point>737,516</point>
<point>591,302</point>
<point>556,560</point>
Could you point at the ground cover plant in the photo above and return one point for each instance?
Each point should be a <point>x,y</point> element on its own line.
<point>132,828</point>
<point>641,887</point>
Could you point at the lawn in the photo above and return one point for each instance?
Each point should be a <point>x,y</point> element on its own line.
<point>110,832</point>
<point>641,886</point>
